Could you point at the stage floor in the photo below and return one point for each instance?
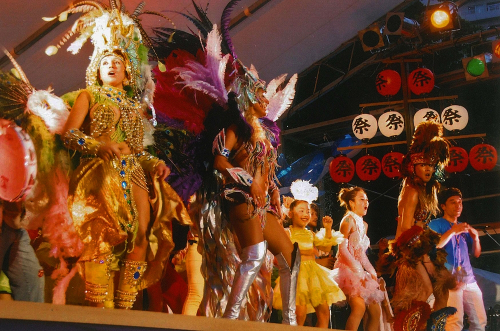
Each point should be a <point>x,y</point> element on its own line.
<point>17,315</point>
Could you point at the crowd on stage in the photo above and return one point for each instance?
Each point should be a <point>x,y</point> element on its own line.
<point>142,153</point>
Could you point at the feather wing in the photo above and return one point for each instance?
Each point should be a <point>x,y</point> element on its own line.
<point>207,77</point>
<point>273,85</point>
<point>281,100</point>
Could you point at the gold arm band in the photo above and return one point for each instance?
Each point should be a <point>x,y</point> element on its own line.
<point>78,141</point>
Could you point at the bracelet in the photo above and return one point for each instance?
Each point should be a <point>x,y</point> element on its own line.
<point>78,141</point>
<point>240,176</point>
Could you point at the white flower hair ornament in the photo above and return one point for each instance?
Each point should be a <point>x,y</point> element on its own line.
<point>303,190</point>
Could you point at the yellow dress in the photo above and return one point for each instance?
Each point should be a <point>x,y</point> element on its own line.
<point>315,284</point>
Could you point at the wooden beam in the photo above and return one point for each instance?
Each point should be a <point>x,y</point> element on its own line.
<point>401,142</point>
<point>396,102</point>
<point>477,135</point>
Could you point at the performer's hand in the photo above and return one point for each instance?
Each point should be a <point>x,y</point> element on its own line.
<point>257,194</point>
<point>460,228</point>
<point>162,170</point>
<point>473,233</point>
<point>109,151</point>
<point>383,244</point>
<point>275,201</point>
<point>327,223</point>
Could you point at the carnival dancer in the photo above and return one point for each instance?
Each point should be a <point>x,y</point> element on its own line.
<point>353,271</point>
<point>246,157</point>
<point>421,275</point>
<point>240,199</point>
<point>315,284</point>
<point>118,182</point>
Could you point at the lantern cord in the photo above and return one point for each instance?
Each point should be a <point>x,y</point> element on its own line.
<point>380,194</point>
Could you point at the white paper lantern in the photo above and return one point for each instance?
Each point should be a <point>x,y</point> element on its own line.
<point>391,123</point>
<point>454,118</point>
<point>364,126</point>
<point>425,114</point>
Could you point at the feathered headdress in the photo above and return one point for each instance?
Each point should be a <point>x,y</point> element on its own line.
<point>112,30</point>
<point>428,146</point>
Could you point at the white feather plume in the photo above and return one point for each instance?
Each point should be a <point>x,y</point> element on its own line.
<point>208,78</point>
<point>273,85</point>
<point>303,190</point>
<point>280,101</point>
<point>148,133</point>
<point>52,109</point>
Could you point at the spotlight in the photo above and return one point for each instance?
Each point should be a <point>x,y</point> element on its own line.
<point>442,17</point>
<point>371,38</point>
<point>475,67</point>
<point>398,24</point>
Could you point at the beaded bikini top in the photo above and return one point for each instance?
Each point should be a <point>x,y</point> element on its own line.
<point>128,128</point>
<point>421,215</point>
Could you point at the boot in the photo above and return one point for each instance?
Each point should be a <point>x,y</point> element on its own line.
<point>131,274</point>
<point>288,284</point>
<point>251,261</point>
<point>97,279</point>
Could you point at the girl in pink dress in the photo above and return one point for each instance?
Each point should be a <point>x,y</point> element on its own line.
<point>353,271</point>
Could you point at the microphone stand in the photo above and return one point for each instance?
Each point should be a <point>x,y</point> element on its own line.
<point>484,229</point>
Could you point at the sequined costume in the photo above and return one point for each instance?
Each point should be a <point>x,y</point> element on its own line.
<point>315,283</point>
<point>353,270</point>
<point>109,200</point>
<point>226,247</point>
<point>101,200</point>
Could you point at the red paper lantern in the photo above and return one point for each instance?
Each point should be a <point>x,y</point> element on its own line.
<point>388,82</point>
<point>368,168</point>
<point>483,157</point>
<point>342,169</point>
<point>391,164</point>
<point>458,160</point>
<point>421,81</point>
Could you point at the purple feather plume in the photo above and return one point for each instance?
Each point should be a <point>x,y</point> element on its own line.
<point>224,21</point>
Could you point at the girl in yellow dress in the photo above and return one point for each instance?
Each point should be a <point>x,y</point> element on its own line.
<point>315,285</point>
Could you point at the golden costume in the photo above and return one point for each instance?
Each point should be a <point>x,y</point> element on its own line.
<point>101,195</point>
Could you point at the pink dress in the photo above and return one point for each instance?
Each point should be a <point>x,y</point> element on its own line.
<point>353,270</point>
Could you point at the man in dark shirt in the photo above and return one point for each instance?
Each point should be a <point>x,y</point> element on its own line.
<point>457,238</point>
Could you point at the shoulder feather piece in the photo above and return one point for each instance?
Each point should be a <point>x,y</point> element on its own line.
<point>18,99</point>
<point>279,101</point>
<point>209,77</point>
